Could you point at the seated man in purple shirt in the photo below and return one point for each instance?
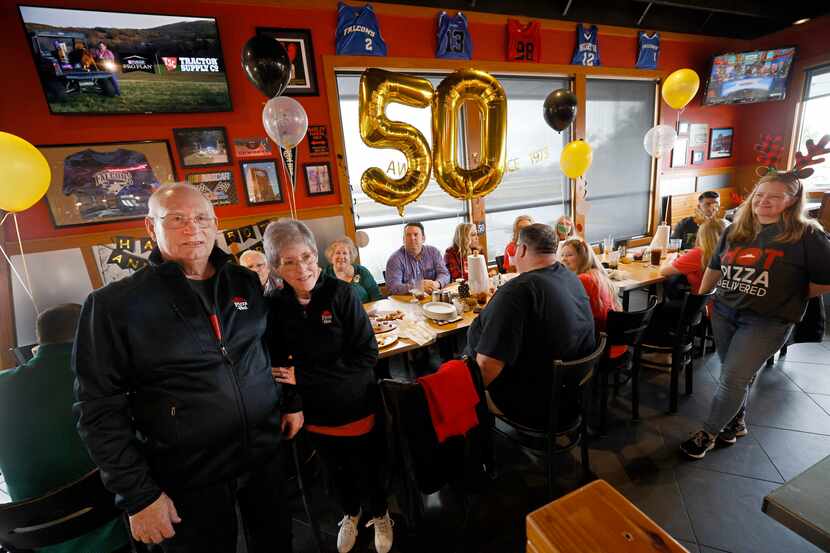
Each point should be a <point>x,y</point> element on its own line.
<point>413,262</point>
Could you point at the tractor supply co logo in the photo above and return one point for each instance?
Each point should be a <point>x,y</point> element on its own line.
<point>746,270</point>
<point>327,317</point>
<point>137,63</point>
<point>199,65</point>
<point>170,63</point>
<point>240,303</point>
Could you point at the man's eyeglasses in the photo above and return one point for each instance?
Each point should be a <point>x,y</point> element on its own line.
<point>175,221</point>
<point>307,259</point>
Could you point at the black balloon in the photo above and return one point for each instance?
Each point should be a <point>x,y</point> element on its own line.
<point>266,63</point>
<point>560,109</point>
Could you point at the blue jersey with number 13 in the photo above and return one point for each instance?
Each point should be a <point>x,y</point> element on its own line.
<point>454,40</point>
<point>358,32</point>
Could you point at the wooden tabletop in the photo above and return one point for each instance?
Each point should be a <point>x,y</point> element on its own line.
<point>642,273</point>
<point>801,504</point>
<point>596,518</point>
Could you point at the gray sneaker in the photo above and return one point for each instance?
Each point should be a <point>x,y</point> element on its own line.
<point>734,430</point>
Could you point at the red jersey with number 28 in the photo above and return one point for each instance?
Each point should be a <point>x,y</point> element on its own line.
<point>524,42</point>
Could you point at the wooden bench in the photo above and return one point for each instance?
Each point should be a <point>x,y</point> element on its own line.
<point>596,518</point>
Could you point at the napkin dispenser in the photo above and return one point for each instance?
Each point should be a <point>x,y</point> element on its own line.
<point>478,279</point>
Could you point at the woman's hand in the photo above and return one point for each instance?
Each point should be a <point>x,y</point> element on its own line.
<point>284,375</point>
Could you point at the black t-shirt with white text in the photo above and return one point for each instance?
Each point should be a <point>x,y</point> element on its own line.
<point>537,317</point>
<point>768,277</point>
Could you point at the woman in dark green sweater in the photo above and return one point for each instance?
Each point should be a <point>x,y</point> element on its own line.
<point>340,254</point>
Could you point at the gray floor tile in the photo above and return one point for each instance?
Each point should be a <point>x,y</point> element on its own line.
<point>704,549</point>
<point>789,410</point>
<point>663,503</point>
<point>791,452</point>
<point>807,353</point>
<point>823,400</point>
<point>691,546</point>
<point>725,511</point>
<point>808,376</point>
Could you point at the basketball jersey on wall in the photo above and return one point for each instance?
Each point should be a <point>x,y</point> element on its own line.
<point>524,42</point>
<point>454,41</point>
<point>587,48</point>
<point>358,32</point>
<point>649,49</point>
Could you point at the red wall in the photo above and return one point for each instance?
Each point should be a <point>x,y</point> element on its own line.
<point>24,111</point>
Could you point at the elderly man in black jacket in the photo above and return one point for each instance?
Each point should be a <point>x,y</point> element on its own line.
<point>176,402</point>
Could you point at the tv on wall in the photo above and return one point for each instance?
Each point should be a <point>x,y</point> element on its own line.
<point>747,77</point>
<point>96,62</point>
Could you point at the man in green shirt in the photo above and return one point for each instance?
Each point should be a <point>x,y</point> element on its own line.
<point>40,449</point>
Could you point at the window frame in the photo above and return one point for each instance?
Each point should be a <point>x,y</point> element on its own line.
<point>332,65</point>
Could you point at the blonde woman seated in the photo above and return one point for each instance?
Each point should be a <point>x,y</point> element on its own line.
<point>341,254</point>
<point>578,256</point>
<point>510,251</point>
<point>693,263</point>
<point>463,244</point>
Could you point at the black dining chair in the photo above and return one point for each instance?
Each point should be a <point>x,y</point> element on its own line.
<point>624,328</point>
<point>568,377</point>
<point>679,341</point>
<point>60,515</point>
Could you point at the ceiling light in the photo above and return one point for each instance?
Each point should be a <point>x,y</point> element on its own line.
<point>801,21</point>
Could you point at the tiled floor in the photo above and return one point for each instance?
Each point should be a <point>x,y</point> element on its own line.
<point>712,505</point>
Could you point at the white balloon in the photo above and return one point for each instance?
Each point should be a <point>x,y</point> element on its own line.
<point>285,121</point>
<point>361,239</point>
<point>659,140</point>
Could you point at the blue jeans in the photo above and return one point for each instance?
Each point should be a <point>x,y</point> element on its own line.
<point>744,341</point>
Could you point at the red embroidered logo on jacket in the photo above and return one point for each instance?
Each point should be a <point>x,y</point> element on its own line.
<point>327,317</point>
<point>240,303</point>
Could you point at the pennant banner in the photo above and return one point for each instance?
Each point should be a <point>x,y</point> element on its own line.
<point>146,244</point>
<point>262,226</point>
<point>232,236</point>
<point>289,156</point>
<point>126,243</point>
<point>246,233</point>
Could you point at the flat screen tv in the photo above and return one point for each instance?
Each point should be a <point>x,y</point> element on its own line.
<point>747,77</point>
<point>96,62</point>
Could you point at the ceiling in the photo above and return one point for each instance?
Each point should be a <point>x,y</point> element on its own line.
<point>744,19</point>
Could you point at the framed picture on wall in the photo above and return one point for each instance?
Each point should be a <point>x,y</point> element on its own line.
<point>297,43</point>
<point>697,157</point>
<point>101,183</point>
<point>202,147</point>
<point>318,179</point>
<point>262,182</point>
<point>216,186</point>
<point>255,146</point>
<point>720,143</point>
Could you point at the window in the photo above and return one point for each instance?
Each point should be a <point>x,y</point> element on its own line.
<point>617,115</point>
<point>439,211</point>
<point>533,184</point>
<point>815,120</point>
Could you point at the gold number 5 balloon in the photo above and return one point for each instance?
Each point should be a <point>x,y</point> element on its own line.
<point>484,91</point>
<point>378,88</point>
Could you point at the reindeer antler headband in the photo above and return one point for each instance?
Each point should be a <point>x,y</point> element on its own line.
<point>771,150</point>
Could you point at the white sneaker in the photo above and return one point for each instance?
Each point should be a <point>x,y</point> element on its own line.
<point>347,536</point>
<point>383,532</point>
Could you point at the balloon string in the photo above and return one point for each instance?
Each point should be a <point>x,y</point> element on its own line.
<point>25,265</point>
<point>19,278</point>
<point>3,220</point>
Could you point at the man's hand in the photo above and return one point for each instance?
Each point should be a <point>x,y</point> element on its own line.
<point>284,375</point>
<point>154,523</point>
<point>290,424</point>
<point>430,285</point>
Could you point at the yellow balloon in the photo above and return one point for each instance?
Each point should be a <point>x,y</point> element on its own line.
<point>486,93</point>
<point>576,158</point>
<point>378,88</point>
<point>24,174</point>
<point>680,87</point>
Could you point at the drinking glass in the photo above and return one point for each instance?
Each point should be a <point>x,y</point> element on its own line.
<point>656,253</point>
<point>674,245</point>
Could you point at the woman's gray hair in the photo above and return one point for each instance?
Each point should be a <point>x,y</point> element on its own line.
<point>285,233</point>
<point>342,241</point>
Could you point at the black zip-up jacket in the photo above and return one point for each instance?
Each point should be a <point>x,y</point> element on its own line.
<point>332,349</point>
<point>163,403</point>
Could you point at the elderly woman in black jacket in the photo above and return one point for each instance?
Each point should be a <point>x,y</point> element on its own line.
<point>318,327</point>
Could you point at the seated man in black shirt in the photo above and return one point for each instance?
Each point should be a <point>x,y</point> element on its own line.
<point>541,315</point>
<point>708,206</point>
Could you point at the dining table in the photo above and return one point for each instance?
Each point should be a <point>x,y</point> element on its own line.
<point>633,276</point>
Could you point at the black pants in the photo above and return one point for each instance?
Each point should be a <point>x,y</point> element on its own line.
<point>209,522</point>
<point>354,465</point>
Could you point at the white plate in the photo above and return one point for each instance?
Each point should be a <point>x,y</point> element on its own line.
<point>386,340</point>
<point>439,311</point>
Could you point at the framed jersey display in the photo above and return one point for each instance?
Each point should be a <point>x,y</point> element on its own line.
<point>524,42</point>
<point>587,46</point>
<point>453,38</point>
<point>297,43</point>
<point>358,32</point>
<point>101,183</point>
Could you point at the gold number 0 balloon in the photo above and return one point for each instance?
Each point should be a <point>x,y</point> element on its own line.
<point>378,88</point>
<point>488,94</point>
